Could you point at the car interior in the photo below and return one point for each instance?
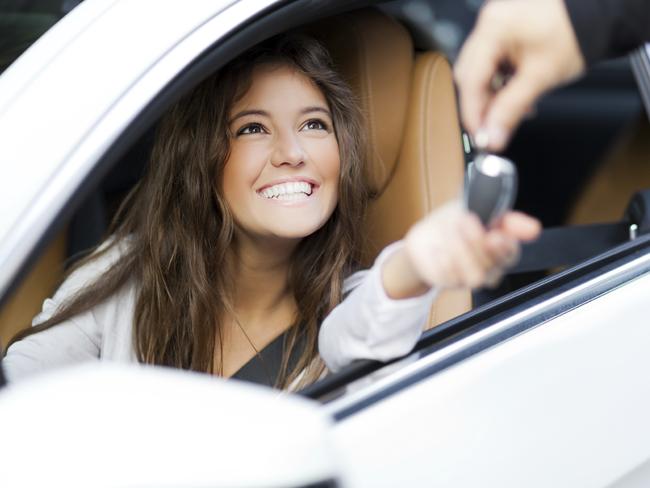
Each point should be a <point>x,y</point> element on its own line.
<point>580,158</point>
<point>416,158</point>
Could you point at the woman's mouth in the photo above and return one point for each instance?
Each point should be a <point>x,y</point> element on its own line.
<point>288,191</point>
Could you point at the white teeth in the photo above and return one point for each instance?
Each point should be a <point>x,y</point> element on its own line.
<point>291,190</point>
<point>292,196</point>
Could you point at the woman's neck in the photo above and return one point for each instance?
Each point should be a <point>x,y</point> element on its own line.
<point>263,304</point>
<point>261,273</point>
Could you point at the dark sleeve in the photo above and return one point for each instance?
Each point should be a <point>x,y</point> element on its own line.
<point>609,28</point>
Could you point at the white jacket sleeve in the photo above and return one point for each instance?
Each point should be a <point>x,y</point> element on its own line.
<point>70,342</point>
<point>368,324</point>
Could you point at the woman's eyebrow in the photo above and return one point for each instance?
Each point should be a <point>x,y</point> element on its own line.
<point>244,113</point>
<point>264,113</point>
<point>307,110</point>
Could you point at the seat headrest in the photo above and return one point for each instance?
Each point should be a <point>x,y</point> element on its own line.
<point>374,54</point>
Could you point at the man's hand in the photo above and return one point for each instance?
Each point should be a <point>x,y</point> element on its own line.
<point>533,38</point>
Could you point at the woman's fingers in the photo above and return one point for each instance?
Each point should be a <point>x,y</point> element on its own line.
<point>473,233</point>
<point>451,248</point>
<point>476,256</point>
<point>503,249</point>
<point>470,258</point>
<point>519,226</point>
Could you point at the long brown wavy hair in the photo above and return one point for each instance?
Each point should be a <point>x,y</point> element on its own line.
<point>179,228</point>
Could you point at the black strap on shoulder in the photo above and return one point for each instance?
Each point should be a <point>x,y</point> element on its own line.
<point>264,368</point>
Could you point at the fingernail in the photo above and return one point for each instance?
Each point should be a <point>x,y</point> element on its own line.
<point>481,139</point>
<point>497,137</point>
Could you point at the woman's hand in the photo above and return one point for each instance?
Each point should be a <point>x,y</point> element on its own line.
<point>450,248</point>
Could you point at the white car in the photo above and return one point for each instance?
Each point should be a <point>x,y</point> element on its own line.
<point>546,386</point>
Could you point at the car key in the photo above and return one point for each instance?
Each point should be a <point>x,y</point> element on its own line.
<point>491,181</point>
<point>491,187</point>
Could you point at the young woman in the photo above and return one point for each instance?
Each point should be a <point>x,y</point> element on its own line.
<point>240,243</point>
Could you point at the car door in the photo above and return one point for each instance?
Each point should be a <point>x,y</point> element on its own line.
<point>546,387</point>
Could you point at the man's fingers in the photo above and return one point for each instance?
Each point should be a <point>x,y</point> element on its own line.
<point>509,106</point>
<point>476,65</point>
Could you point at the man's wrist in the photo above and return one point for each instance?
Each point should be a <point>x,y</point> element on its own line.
<point>591,27</point>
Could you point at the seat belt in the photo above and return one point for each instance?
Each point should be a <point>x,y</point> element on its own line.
<point>567,246</point>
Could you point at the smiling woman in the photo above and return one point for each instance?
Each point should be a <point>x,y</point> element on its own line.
<point>281,179</point>
<point>210,266</point>
<point>234,253</point>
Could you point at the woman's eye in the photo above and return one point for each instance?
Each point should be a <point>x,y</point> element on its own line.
<point>315,124</point>
<point>251,129</point>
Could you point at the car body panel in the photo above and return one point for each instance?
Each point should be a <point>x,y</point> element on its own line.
<point>110,425</point>
<point>564,404</point>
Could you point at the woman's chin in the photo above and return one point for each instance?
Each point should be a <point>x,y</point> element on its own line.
<point>292,230</point>
<point>295,233</point>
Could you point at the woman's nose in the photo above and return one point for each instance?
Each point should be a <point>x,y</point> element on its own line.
<point>287,150</point>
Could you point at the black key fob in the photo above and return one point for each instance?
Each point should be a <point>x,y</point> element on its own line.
<point>491,187</point>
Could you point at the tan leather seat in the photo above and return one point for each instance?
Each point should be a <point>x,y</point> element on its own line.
<point>623,172</point>
<point>26,301</point>
<point>415,159</point>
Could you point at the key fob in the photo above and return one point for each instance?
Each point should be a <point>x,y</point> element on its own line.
<point>490,187</point>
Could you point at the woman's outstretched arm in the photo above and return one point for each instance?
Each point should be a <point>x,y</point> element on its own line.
<point>384,315</point>
<point>368,323</point>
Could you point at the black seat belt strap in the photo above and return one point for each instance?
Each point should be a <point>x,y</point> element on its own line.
<point>566,246</point>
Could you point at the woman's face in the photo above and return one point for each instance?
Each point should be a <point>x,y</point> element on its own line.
<point>281,178</point>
